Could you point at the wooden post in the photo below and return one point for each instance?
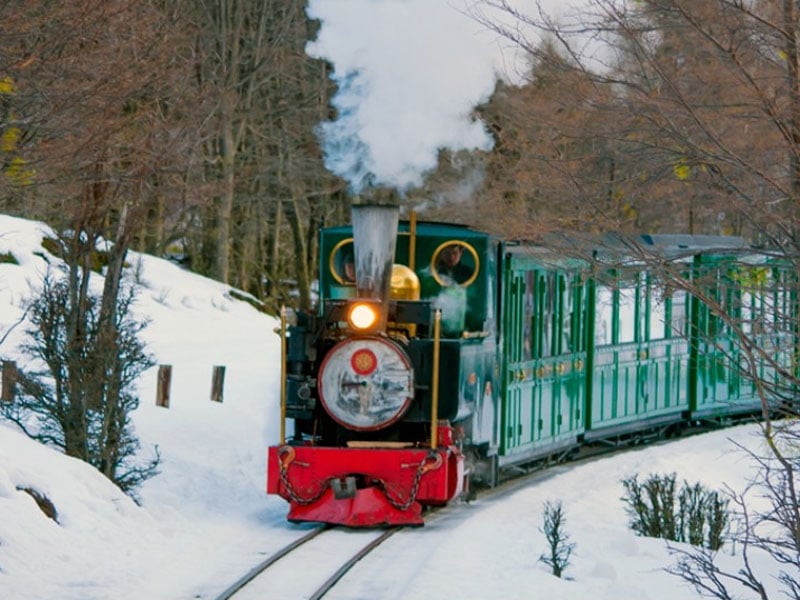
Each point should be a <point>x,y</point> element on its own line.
<point>217,383</point>
<point>9,381</point>
<point>163,385</point>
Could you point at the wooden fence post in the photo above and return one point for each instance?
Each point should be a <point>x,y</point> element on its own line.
<point>163,385</point>
<point>217,383</point>
<point>9,388</point>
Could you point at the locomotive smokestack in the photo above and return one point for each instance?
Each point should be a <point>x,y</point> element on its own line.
<point>374,237</point>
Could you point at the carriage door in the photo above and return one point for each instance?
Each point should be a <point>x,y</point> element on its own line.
<point>517,407</point>
<point>557,353</point>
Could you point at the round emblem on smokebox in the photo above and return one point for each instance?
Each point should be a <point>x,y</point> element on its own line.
<point>364,361</point>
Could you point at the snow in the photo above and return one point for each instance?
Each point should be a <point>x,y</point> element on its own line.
<point>205,520</point>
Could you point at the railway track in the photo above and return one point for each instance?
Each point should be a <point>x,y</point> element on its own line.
<point>277,576</point>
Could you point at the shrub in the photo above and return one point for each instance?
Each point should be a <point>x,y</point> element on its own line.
<point>700,517</point>
<point>78,391</point>
<point>651,505</point>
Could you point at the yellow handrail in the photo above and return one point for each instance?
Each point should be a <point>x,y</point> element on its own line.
<point>283,375</point>
<point>412,243</point>
<point>437,325</point>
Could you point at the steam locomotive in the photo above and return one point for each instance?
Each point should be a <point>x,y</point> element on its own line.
<point>417,377</point>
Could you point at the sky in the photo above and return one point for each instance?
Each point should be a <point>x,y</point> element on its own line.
<point>410,74</point>
<point>205,520</point>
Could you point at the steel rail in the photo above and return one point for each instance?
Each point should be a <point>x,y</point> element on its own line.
<point>329,584</point>
<point>351,562</point>
<point>264,565</point>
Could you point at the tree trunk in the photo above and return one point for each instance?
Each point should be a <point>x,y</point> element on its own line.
<point>273,256</point>
<point>793,84</point>
<point>299,256</point>
<point>224,203</point>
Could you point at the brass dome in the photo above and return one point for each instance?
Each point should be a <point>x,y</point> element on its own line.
<point>404,284</point>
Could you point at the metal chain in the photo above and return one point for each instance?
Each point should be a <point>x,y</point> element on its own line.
<point>284,474</point>
<point>423,468</point>
<point>295,497</point>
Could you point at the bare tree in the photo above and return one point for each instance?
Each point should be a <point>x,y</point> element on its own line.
<point>693,105</point>
<point>212,146</point>
<point>703,102</point>
<point>773,530</point>
<point>92,86</point>
<point>559,547</point>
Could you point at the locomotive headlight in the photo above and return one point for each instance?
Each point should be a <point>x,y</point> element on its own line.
<point>363,316</point>
<point>366,383</point>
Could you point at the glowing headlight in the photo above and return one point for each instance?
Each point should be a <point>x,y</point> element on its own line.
<point>366,384</point>
<point>363,316</point>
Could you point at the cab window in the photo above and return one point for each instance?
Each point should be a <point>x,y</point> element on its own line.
<point>455,263</point>
<point>342,263</point>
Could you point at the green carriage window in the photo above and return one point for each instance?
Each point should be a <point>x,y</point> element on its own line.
<point>604,316</point>
<point>619,315</point>
<point>678,304</point>
<point>759,299</point>
<point>752,313</point>
<point>550,306</point>
<point>564,325</point>
<point>785,291</point>
<point>721,295</point>
<point>528,316</point>
<point>656,309</point>
<point>577,314</point>
<point>626,303</point>
<point>667,308</point>
<point>542,316</point>
<point>628,306</point>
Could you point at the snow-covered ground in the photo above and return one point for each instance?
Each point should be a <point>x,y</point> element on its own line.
<point>205,519</point>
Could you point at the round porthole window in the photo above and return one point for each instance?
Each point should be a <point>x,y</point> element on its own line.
<point>342,262</point>
<point>455,263</point>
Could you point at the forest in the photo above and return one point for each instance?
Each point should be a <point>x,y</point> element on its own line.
<point>189,129</point>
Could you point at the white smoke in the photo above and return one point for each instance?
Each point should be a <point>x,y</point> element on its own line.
<point>410,73</point>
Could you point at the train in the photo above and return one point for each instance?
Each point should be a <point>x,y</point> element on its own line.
<point>440,357</point>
